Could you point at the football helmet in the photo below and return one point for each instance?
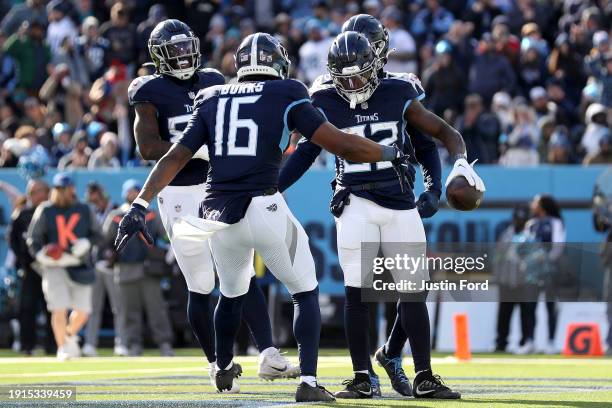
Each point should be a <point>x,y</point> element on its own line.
<point>174,49</point>
<point>373,30</point>
<point>353,67</point>
<point>261,54</point>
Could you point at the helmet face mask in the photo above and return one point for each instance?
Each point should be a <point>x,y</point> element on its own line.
<point>175,53</point>
<point>356,85</point>
<point>353,66</point>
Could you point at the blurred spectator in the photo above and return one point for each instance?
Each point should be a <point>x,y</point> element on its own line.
<point>597,129</point>
<point>481,13</point>
<point>604,155</point>
<point>121,34</point>
<point>9,77</point>
<point>559,147</point>
<point>532,72</point>
<point>60,238</point>
<point>566,63</point>
<point>138,270</point>
<point>402,57</point>
<point>78,157</point>
<point>521,146</point>
<point>510,279</point>
<point>105,284</point>
<point>32,55</point>
<point>106,154</point>
<point>63,92</point>
<point>565,109</point>
<point>491,72</point>
<point>34,112</point>
<point>92,48</point>
<point>539,101</point>
<point>62,135</point>
<point>313,53</point>
<point>604,77</point>
<point>501,107</point>
<point>480,130</point>
<point>157,13</point>
<point>546,126</point>
<point>61,28</point>
<point>32,300</point>
<point>30,10</point>
<point>506,43</point>
<point>443,81</point>
<point>432,22</point>
<point>532,39</point>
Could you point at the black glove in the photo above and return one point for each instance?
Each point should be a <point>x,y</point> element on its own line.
<point>403,168</point>
<point>428,204</point>
<point>133,222</point>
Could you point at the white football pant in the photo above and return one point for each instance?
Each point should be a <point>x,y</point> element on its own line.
<point>269,228</point>
<point>396,232</point>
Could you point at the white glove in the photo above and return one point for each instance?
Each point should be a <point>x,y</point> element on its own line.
<point>202,153</point>
<point>463,168</point>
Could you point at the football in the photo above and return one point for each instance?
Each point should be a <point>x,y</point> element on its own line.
<point>461,196</point>
<point>54,251</point>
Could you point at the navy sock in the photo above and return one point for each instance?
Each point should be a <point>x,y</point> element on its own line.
<point>307,329</point>
<point>227,320</point>
<point>255,315</point>
<point>198,315</point>
<point>415,321</point>
<point>397,338</point>
<point>357,328</point>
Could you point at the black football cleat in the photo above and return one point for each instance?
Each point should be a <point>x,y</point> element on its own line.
<point>225,380</point>
<point>376,391</point>
<point>429,385</point>
<point>393,367</point>
<point>306,393</point>
<point>355,389</point>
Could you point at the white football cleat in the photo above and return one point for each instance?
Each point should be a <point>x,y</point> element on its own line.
<point>273,365</point>
<point>89,351</point>
<point>72,346</point>
<point>527,348</point>
<point>550,348</point>
<point>120,350</point>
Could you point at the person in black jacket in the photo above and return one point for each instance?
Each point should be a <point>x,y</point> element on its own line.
<point>32,299</point>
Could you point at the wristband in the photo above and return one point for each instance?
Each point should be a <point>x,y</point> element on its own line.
<point>459,156</point>
<point>141,202</point>
<point>389,153</point>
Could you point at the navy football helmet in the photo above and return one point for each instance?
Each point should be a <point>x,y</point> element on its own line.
<point>261,54</point>
<point>373,30</point>
<point>353,67</point>
<point>174,49</point>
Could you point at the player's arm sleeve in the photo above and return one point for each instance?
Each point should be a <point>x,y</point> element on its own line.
<point>304,117</point>
<point>196,132</point>
<point>297,164</point>
<point>426,153</point>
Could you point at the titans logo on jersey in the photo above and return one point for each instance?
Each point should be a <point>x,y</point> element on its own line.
<point>380,119</point>
<point>246,127</point>
<point>174,101</point>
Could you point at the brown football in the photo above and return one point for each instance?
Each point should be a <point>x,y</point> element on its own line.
<point>461,196</point>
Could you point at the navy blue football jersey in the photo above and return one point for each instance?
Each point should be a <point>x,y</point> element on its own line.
<point>246,127</point>
<point>174,100</point>
<point>380,119</point>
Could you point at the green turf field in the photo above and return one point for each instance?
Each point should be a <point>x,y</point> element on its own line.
<point>485,381</point>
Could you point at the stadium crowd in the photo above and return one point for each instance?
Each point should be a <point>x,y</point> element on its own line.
<point>525,81</point>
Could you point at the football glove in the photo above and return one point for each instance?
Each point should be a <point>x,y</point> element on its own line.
<point>133,222</point>
<point>403,168</point>
<point>463,168</point>
<point>428,204</point>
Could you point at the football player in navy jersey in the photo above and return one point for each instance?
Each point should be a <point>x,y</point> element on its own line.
<point>246,127</point>
<point>369,204</point>
<point>164,103</point>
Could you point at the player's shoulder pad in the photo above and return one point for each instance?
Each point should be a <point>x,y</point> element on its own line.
<point>322,82</point>
<point>205,94</point>
<point>408,78</point>
<point>296,87</point>
<point>211,74</point>
<point>137,88</point>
